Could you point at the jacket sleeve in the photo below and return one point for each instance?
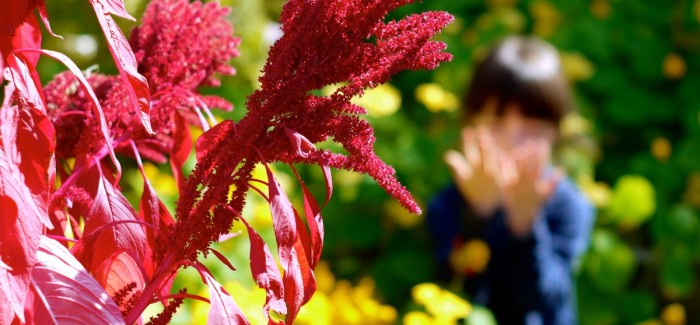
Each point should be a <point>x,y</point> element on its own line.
<point>537,269</point>
<point>443,220</point>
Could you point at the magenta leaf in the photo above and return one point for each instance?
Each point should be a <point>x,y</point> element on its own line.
<point>182,147</point>
<point>29,144</point>
<point>136,84</point>
<point>28,36</point>
<point>66,290</point>
<point>223,309</point>
<point>302,145</point>
<point>152,211</point>
<point>13,290</point>
<point>222,258</point>
<point>118,271</point>
<point>97,109</point>
<point>103,235</point>
<point>297,273</point>
<point>265,273</point>
<point>45,19</point>
<point>314,219</point>
<point>23,81</point>
<point>114,7</point>
<point>20,219</point>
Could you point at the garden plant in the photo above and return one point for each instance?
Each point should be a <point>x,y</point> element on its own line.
<point>74,250</point>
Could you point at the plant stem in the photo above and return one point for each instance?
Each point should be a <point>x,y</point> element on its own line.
<point>163,271</point>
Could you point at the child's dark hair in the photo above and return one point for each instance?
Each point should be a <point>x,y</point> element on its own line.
<point>520,70</point>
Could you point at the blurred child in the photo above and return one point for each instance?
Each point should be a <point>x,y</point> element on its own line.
<point>506,193</point>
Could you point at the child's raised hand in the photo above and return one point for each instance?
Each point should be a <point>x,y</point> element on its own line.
<point>475,169</point>
<point>525,185</point>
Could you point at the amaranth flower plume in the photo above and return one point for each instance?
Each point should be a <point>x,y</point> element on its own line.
<point>323,43</point>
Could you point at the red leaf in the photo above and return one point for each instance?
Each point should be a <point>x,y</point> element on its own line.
<point>265,273</point>
<point>114,7</point>
<point>302,145</point>
<point>124,58</point>
<point>118,271</point>
<point>314,219</point>
<point>13,290</point>
<point>24,81</point>
<point>210,139</point>
<point>152,211</point>
<point>222,258</point>
<point>66,290</point>
<point>97,109</point>
<point>223,309</point>
<point>104,234</point>
<point>296,271</point>
<point>29,144</point>
<point>28,36</point>
<point>14,14</point>
<point>182,147</point>
<point>45,19</point>
<point>20,219</point>
<point>302,245</point>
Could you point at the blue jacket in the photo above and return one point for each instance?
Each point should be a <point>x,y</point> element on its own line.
<point>527,280</point>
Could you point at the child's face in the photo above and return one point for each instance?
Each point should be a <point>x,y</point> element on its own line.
<point>512,129</point>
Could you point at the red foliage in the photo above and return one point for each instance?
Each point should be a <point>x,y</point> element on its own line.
<point>146,111</point>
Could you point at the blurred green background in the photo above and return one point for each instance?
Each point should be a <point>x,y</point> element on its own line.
<point>634,148</point>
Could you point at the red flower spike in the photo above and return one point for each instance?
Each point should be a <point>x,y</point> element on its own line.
<point>349,57</point>
<point>178,31</point>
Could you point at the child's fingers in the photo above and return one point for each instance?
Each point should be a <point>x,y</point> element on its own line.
<point>470,147</point>
<point>508,173</point>
<point>459,167</point>
<point>487,152</point>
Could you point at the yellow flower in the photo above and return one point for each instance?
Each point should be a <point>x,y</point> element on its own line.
<point>573,124</point>
<point>661,148</point>
<point>425,292</point>
<point>445,306</point>
<point>382,101</point>
<point>418,318</point>
<point>596,192</point>
<point>546,18</point>
<point>436,99</point>
<point>318,311</point>
<point>576,66</point>
<point>692,191</point>
<point>472,257</point>
<point>673,314</point>
<point>633,201</point>
<point>674,66</point>
<point>325,280</point>
<point>164,183</point>
<point>449,306</point>
<point>355,305</point>
<point>511,18</point>
<point>600,8</point>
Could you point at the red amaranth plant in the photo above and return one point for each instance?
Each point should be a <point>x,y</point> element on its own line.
<point>122,260</point>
